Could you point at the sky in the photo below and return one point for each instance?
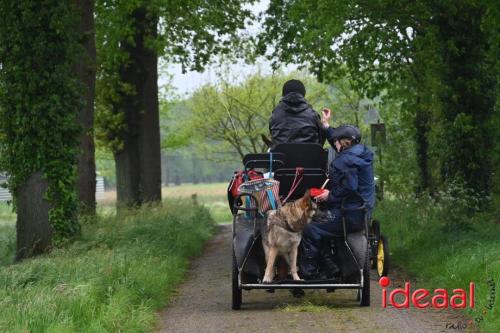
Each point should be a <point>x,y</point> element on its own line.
<point>190,81</point>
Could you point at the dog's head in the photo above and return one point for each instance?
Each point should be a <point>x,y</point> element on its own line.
<point>308,205</point>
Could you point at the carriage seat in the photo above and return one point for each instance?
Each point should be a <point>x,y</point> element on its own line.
<point>313,158</point>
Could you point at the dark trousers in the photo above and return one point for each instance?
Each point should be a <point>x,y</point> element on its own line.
<point>319,232</point>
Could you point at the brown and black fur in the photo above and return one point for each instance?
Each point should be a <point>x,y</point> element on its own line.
<point>282,233</point>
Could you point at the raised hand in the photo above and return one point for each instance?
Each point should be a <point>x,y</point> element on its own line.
<point>325,116</point>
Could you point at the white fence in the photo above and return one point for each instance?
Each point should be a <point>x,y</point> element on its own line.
<point>99,190</point>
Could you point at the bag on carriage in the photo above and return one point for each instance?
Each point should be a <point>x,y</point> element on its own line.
<point>265,191</point>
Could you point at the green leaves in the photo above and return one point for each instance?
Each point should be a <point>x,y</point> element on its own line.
<point>440,58</point>
<point>189,33</point>
<point>228,118</point>
<point>39,101</point>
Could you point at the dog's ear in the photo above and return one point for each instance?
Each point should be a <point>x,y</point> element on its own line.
<point>307,195</point>
<point>306,201</point>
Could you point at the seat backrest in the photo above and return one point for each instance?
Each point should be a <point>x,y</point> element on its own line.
<point>311,178</point>
<point>304,155</point>
<point>263,161</point>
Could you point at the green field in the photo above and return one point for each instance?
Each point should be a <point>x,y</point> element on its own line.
<point>115,278</point>
<point>213,196</point>
<point>117,275</point>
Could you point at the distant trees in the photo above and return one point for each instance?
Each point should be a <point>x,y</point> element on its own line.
<point>232,117</point>
<point>226,120</point>
<point>436,57</point>
<point>131,36</point>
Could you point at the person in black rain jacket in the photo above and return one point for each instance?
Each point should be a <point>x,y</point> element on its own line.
<point>294,120</point>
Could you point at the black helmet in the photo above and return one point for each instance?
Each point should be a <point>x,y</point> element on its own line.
<point>347,132</point>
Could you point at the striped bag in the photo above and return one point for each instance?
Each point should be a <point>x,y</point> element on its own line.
<point>266,191</point>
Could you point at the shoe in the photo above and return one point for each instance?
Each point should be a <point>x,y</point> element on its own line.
<point>309,276</point>
<point>308,263</point>
<point>328,267</point>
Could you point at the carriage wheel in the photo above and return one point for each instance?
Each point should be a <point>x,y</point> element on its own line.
<point>375,230</point>
<point>237,293</point>
<point>382,259</point>
<point>364,293</point>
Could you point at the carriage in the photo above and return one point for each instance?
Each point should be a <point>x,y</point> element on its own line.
<point>354,252</point>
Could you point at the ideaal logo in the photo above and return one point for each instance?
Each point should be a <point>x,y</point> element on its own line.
<point>422,298</point>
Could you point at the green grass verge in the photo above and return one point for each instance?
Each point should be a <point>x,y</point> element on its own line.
<point>114,279</point>
<point>451,259</point>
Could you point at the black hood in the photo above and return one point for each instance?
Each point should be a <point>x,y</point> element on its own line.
<point>294,103</point>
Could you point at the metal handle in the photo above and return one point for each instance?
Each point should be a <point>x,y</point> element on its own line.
<point>237,199</point>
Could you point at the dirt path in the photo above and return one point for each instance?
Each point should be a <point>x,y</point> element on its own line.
<point>203,304</point>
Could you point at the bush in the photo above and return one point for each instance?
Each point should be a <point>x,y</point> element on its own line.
<point>114,278</point>
<point>444,245</point>
<point>457,206</point>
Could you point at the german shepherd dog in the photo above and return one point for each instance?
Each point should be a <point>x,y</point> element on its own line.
<point>282,232</point>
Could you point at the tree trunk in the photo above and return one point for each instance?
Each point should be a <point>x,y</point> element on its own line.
<point>86,71</point>
<point>138,164</point>
<point>149,135</point>
<point>34,232</point>
<point>422,147</point>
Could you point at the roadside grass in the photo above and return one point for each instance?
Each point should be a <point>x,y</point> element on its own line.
<point>114,279</point>
<point>213,196</point>
<point>7,234</point>
<point>446,259</point>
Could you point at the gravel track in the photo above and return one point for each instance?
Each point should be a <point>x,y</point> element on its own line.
<point>203,304</point>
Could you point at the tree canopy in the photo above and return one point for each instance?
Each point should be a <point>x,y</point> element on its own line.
<point>189,33</point>
<point>435,56</point>
<point>227,119</point>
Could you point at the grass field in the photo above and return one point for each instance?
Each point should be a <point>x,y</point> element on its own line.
<point>213,196</point>
<point>443,258</point>
<point>117,275</point>
<point>113,279</point>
